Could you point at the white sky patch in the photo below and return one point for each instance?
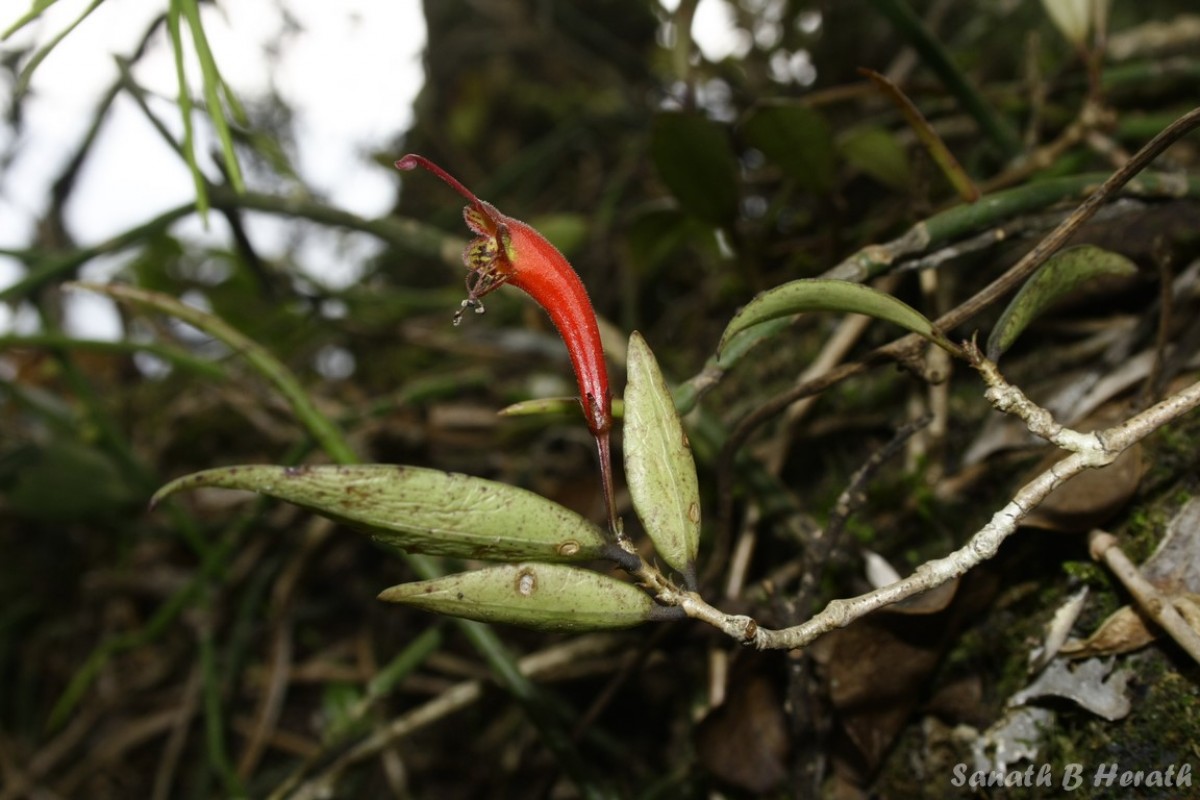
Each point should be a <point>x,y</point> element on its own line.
<point>351,72</point>
<point>90,316</point>
<point>131,176</point>
<point>713,29</point>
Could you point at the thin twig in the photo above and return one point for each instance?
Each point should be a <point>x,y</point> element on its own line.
<point>1104,547</point>
<point>851,498</point>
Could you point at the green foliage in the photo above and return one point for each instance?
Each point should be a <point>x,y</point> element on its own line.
<point>547,597</point>
<point>64,482</point>
<point>658,462</point>
<point>420,510</point>
<point>813,294</point>
<point>445,514</point>
<point>1061,275</point>
<point>693,157</point>
<point>797,139</point>
<point>876,152</point>
<point>219,101</point>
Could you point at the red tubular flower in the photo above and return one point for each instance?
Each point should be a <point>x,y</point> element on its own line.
<point>506,250</point>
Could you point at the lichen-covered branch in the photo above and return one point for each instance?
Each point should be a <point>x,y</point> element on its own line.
<point>1095,451</point>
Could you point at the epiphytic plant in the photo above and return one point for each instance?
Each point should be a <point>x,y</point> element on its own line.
<point>539,544</point>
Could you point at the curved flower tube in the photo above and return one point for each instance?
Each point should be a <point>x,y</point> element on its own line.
<point>506,250</point>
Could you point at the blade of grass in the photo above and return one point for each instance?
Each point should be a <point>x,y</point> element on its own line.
<point>212,92</point>
<point>318,425</point>
<point>407,236</point>
<point>185,109</point>
<point>214,725</point>
<point>401,666</point>
<point>35,11</point>
<point>236,109</point>
<point>933,143</point>
<point>412,656</point>
<point>87,672</point>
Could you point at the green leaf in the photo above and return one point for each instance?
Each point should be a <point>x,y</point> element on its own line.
<point>559,406</point>
<point>658,462</point>
<point>213,87</point>
<point>1061,274</point>
<point>421,510</point>
<point>174,30</point>
<point>695,161</point>
<point>65,481</point>
<point>927,136</point>
<point>877,153</point>
<point>549,597</point>
<point>654,233</point>
<point>734,348</point>
<point>820,294</point>
<point>797,139</point>
<point>35,11</point>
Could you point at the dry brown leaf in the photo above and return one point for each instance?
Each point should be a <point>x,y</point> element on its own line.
<point>1188,606</point>
<point>744,742</point>
<point>876,670</point>
<point>1127,629</point>
<point>1124,631</point>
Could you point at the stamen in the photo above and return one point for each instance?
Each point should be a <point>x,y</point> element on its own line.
<point>472,301</point>
<point>465,304</point>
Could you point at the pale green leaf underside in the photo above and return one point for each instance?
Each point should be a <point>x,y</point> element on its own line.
<point>822,294</point>
<point>421,510</point>
<point>1060,275</point>
<point>542,596</point>
<point>554,405</point>
<point>659,467</point>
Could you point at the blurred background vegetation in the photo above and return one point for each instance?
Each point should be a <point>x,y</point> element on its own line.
<point>222,646</point>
